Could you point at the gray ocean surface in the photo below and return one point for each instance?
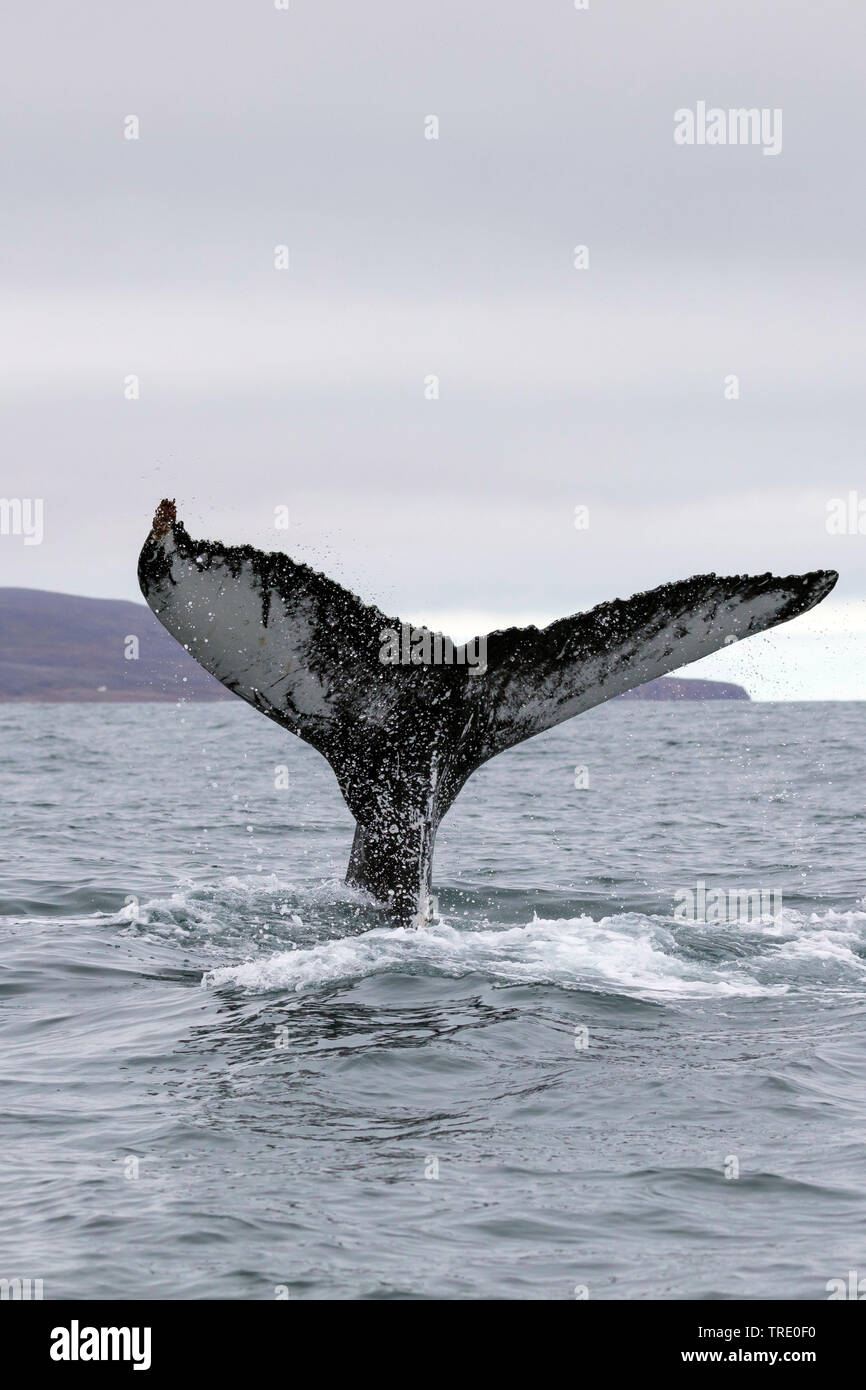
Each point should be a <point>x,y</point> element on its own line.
<point>222,1075</point>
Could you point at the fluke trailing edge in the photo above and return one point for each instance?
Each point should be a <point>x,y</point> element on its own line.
<point>403,738</point>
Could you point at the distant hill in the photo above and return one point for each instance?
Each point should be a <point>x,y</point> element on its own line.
<point>673,688</point>
<point>62,647</point>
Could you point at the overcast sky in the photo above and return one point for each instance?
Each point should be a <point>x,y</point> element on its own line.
<point>453,257</point>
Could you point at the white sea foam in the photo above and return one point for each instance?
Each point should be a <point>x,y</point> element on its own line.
<point>629,954</point>
<point>305,938</point>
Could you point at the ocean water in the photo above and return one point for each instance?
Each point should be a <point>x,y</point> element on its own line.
<point>224,1076</point>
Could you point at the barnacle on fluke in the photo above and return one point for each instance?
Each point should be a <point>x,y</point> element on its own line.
<point>404,735</point>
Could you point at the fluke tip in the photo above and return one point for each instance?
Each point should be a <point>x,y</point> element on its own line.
<point>164,517</point>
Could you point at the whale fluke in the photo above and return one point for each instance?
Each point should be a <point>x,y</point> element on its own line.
<point>403,738</point>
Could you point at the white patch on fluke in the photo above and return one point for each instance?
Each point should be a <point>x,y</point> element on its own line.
<point>239,650</point>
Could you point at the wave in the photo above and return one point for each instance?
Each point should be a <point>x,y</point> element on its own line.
<point>278,936</point>
<point>627,954</point>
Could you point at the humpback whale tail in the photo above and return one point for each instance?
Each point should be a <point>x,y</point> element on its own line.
<point>403,737</point>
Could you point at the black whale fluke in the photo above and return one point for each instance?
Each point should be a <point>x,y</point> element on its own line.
<point>403,738</point>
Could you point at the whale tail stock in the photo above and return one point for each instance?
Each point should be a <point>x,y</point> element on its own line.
<point>403,737</point>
